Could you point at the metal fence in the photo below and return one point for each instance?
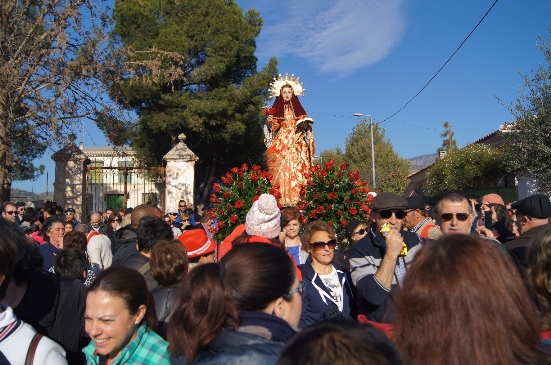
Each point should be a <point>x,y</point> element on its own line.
<point>123,187</point>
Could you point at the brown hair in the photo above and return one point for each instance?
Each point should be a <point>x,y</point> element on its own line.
<point>169,262</point>
<point>313,227</point>
<point>129,285</point>
<point>75,239</point>
<point>467,287</point>
<point>538,273</point>
<point>249,277</point>
<point>338,342</point>
<point>290,214</point>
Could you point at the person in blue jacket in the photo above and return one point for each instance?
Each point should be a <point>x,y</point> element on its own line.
<point>329,292</point>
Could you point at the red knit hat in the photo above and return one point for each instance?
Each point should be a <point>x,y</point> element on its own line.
<point>197,243</point>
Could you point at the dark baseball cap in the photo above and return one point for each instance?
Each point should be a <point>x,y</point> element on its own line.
<point>535,206</point>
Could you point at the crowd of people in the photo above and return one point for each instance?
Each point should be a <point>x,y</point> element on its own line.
<point>464,281</point>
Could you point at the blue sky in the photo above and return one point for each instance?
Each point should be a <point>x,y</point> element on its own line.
<point>373,56</point>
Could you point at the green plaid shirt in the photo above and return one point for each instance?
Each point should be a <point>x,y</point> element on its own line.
<point>147,348</point>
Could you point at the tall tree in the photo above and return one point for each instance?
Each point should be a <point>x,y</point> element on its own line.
<point>448,144</point>
<point>50,52</point>
<point>474,166</point>
<point>189,66</point>
<point>391,171</point>
<point>529,147</point>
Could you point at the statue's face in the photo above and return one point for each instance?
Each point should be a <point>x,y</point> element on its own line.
<point>286,93</point>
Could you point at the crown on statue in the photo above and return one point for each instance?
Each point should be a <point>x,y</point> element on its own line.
<point>294,82</point>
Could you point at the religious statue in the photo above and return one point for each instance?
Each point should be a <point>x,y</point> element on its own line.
<point>289,138</point>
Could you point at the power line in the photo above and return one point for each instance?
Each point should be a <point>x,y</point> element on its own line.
<point>444,65</point>
<point>348,116</point>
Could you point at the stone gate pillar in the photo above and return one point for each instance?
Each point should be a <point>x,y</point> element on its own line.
<point>180,174</point>
<point>70,178</point>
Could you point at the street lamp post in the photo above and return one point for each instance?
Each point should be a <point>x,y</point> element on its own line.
<point>372,147</point>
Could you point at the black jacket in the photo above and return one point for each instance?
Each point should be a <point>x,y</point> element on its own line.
<point>165,298</point>
<point>124,244</point>
<point>136,262</point>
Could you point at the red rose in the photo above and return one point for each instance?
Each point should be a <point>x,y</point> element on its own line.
<point>220,224</point>
<point>330,223</point>
<point>240,184</point>
<point>340,212</point>
<point>354,191</point>
<point>332,195</point>
<point>320,209</point>
<point>343,223</point>
<point>256,168</point>
<point>331,182</point>
<point>244,167</point>
<point>254,177</point>
<point>255,198</point>
<point>277,195</point>
<point>329,207</point>
<point>228,208</point>
<point>339,174</point>
<point>239,204</point>
<point>312,168</point>
<point>316,195</point>
<point>364,190</point>
<point>313,214</point>
<point>353,210</point>
<point>302,192</point>
<point>343,166</point>
<point>235,170</point>
<point>365,208</point>
<point>241,174</point>
<point>233,219</point>
<point>269,111</point>
<point>226,194</point>
<point>324,173</point>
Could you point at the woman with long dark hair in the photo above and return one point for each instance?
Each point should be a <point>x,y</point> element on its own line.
<point>241,310</point>
<point>464,302</point>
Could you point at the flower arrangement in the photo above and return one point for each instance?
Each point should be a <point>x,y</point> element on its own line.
<point>335,195</point>
<point>232,199</point>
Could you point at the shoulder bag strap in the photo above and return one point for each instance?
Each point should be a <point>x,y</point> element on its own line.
<point>32,349</point>
<point>144,268</point>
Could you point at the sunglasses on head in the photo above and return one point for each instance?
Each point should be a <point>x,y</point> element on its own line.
<point>321,245</point>
<point>462,217</point>
<point>386,214</point>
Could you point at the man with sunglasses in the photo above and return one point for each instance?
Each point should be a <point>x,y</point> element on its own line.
<point>532,214</point>
<point>70,216</point>
<point>378,262</point>
<point>454,213</point>
<point>416,221</point>
<point>10,212</point>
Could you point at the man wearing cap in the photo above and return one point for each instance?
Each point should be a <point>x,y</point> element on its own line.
<point>71,217</point>
<point>416,221</point>
<point>173,214</point>
<point>378,262</point>
<point>532,215</point>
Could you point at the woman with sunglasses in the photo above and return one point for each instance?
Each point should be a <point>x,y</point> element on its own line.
<point>329,292</point>
<point>241,310</point>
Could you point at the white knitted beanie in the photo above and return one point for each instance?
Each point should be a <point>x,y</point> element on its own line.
<point>263,219</point>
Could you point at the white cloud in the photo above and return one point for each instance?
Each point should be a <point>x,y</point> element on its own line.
<point>337,37</point>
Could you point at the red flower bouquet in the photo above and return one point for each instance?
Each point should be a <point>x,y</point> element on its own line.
<point>233,197</point>
<point>335,195</point>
